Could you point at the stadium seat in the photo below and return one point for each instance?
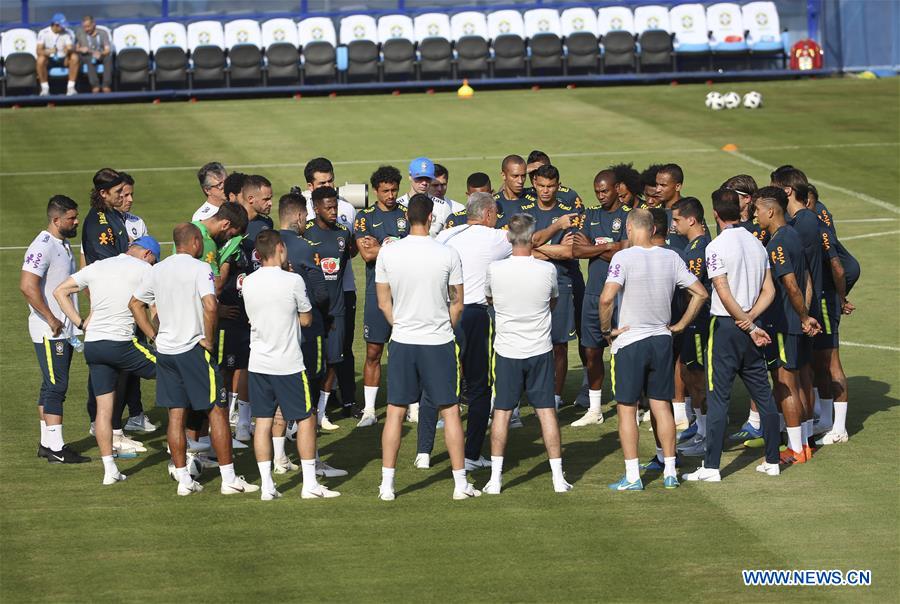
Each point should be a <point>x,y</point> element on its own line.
<point>280,39</point>
<point>131,43</point>
<point>243,39</point>
<point>432,33</point>
<point>726,36</point>
<point>398,48</point>
<point>579,27</point>
<point>168,42</point>
<point>318,41</point>
<point>616,27</point>
<point>690,34</point>
<point>544,32</point>
<point>654,38</point>
<point>206,41</point>
<point>359,33</point>
<point>507,31</point>
<point>764,36</point>
<point>470,35</point>
<point>18,48</point>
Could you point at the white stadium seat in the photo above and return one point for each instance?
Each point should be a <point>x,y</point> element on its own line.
<point>542,21</point>
<point>243,31</point>
<point>205,33</point>
<point>131,35</point>
<point>19,40</point>
<point>168,34</point>
<point>726,27</point>
<point>651,18</point>
<point>393,27</point>
<point>615,18</point>
<point>132,47</point>
<point>505,22</point>
<point>432,25</point>
<point>316,29</point>
<point>763,27</point>
<point>469,23</point>
<point>578,20</point>
<point>357,28</point>
<point>688,23</point>
<point>279,31</point>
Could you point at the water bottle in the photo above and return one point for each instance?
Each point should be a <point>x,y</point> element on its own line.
<point>77,344</point>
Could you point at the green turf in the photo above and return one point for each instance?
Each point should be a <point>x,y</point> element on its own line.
<point>64,538</point>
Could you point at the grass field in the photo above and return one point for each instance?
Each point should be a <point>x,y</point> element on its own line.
<point>63,538</point>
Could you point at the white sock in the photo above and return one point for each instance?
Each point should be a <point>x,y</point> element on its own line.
<point>227,472</point>
<point>680,412</point>
<point>183,477</point>
<point>44,434</point>
<point>265,473</point>
<point>387,478</point>
<point>817,406</point>
<point>670,467</point>
<point>323,402</point>
<point>278,446</point>
<point>659,456</point>
<point>308,466</point>
<point>701,425</point>
<point>826,412</point>
<point>232,402</point>
<point>370,393</point>
<point>595,398</point>
<point>753,419</point>
<point>840,417</point>
<point>795,438</point>
<point>55,437</point>
<point>243,412</point>
<point>118,432</point>
<point>556,469</point>
<point>459,479</point>
<point>632,470</point>
<point>558,400</point>
<point>109,465</point>
<point>71,85</point>
<point>497,469</point>
<point>45,86</point>
<point>805,431</point>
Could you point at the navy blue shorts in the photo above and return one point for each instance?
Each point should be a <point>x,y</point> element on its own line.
<point>828,339</point>
<point>106,359</point>
<point>376,329</point>
<point>562,317</point>
<point>290,392</point>
<point>591,336</point>
<point>789,350</point>
<point>694,342</point>
<point>645,366</point>
<point>54,359</point>
<point>190,380</point>
<point>423,372</point>
<point>534,376</point>
<point>334,342</point>
<point>232,347</point>
<point>313,350</point>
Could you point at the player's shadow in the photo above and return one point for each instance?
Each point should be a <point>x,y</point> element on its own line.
<point>867,398</point>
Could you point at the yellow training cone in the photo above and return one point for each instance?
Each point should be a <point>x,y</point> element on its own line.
<point>730,147</point>
<point>465,91</point>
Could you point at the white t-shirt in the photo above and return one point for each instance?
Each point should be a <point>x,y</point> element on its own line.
<point>648,277</point>
<point>737,253</point>
<point>58,42</point>
<point>521,288</point>
<point>419,269</point>
<point>272,298</point>
<point>440,213</point>
<point>176,285</point>
<point>477,246</point>
<point>135,226</point>
<point>112,281</point>
<point>50,259</point>
<point>205,211</point>
<point>346,215</point>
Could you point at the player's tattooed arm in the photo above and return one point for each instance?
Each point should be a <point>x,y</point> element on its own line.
<point>455,292</point>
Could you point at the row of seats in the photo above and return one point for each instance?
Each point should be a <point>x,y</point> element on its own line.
<point>428,46</point>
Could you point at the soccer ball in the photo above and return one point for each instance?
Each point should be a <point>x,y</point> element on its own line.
<point>752,100</point>
<point>732,100</point>
<point>715,101</point>
<point>193,465</point>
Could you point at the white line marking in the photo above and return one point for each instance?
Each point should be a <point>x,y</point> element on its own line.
<point>474,157</point>
<point>869,220</point>
<point>873,346</point>
<point>861,196</point>
<point>867,235</point>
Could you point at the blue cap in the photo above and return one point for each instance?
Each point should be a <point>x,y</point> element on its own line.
<point>421,166</point>
<point>59,19</point>
<point>148,243</point>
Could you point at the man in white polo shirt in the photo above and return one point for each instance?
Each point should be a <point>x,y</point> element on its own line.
<point>277,306</point>
<point>646,278</point>
<point>182,288</point>
<point>478,244</point>
<point>523,291</point>
<point>110,348</point>
<point>738,266</point>
<point>414,277</point>
<point>212,182</point>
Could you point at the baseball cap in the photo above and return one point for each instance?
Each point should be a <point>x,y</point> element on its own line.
<point>421,166</point>
<point>59,19</point>
<point>148,243</point>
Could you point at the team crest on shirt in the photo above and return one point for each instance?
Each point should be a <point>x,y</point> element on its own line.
<point>617,225</point>
<point>60,347</point>
<point>341,243</point>
<point>401,224</point>
<point>45,239</point>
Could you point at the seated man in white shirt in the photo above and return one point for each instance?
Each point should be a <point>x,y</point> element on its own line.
<point>56,48</point>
